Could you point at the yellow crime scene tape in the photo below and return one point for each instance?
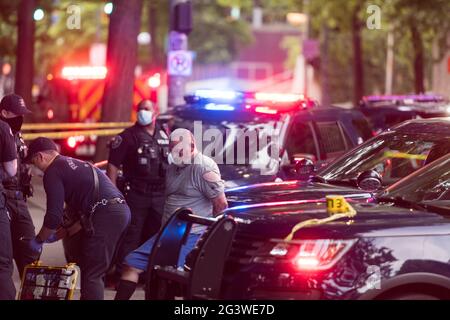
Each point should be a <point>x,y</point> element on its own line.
<point>74,125</point>
<point>67,134</point>
<point>403,155</point>
<point>337,208</point>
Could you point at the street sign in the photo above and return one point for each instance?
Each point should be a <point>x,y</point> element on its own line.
<point>179,63</point>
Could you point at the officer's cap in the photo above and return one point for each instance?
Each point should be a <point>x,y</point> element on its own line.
<point>39,145</point>
<point>15,104</point>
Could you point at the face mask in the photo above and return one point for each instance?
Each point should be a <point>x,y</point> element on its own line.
<point>15,123</point>
<point>144,117</point>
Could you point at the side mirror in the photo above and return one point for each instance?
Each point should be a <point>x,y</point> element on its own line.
<point>304,168</point>
<point>369,180</point>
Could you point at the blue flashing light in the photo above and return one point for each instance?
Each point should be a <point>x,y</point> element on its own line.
<point>217,94</point>
<point>219,107</point>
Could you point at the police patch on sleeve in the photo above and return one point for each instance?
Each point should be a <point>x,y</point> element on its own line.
<point>116,142</point>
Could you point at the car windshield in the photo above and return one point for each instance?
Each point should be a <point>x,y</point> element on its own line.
<point>393,155</point>
<point>235,141</point>
<point>429,185</point>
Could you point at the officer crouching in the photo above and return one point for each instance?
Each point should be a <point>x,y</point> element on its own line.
<point>92,199</point>
<point>142,151</point>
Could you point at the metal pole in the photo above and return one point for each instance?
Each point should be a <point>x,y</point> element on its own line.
<point>177,41</point>
<point>389,63</point>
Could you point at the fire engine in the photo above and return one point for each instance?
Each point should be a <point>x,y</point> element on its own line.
<point>75,95</point>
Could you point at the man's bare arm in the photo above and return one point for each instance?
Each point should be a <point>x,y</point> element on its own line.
<point>10,167</point>
<point>112,172</point>
<point>219,204</point>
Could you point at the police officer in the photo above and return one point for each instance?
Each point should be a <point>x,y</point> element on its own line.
<point>18,187</point>
<point>142,152</point>
<point>93,199</point>
<point>8,168</point>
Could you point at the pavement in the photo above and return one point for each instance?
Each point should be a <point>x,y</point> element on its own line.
<point>53,253</point>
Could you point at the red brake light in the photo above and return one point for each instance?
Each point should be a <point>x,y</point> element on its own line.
<point>71,142</point>
<point>50,114</point>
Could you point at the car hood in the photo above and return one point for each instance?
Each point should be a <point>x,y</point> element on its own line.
<point>239,175</point>
<point>276,220</point>
<point>288,191</point>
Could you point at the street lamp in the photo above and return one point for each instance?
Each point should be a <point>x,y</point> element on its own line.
<point>38,14</point>
<point>108,8</point>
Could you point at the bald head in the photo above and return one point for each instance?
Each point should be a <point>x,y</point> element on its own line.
<point>182,146</point>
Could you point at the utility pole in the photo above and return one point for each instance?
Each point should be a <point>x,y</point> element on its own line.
<point>180,26</point>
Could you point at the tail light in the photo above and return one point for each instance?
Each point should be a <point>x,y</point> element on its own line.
<point>307,255</point>
<point>73,141</point>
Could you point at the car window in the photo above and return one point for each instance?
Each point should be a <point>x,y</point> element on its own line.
<point>301,139</point>
<point>331,139</point>
<point>363,128</point>
<point>392,155</point>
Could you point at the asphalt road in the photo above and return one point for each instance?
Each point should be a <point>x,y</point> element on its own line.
<point>53,253</point>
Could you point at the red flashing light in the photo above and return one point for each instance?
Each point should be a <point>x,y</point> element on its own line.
<point>71,142</point>
<point>154,81</point>
<point>278,97</point>
<point>84,72</point>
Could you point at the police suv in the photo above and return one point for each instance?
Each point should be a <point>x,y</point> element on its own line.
<point>258,136</point>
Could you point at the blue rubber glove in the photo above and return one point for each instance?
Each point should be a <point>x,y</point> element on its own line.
<point>52,238</point>
<point>35,245</point>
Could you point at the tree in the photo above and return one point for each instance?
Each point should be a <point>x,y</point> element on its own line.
<point>121,61</point>
<point>422,23</point>
<point>25,50</point>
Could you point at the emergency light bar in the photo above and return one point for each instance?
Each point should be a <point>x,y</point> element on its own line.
<point>84,72</point>
<point>410,98</point>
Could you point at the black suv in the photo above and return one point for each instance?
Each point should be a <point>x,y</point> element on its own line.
<point>396,247</point>
<point>375,164</point>
<point>298,126</point>
<point>387,110</point>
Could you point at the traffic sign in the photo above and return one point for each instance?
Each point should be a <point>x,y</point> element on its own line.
<point>179,63</point>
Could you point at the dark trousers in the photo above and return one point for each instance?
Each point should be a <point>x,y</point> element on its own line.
<point>94,254</point>
<point>146,215</point>
<point>7,289</point>
<point>21,226</point>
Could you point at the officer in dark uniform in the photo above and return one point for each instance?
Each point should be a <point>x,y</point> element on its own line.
<point>93,199</point>
<point>18,187</point>
<point>8,168</point>
<point>142,152</point>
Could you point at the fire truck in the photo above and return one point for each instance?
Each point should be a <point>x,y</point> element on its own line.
<point>75,95</point>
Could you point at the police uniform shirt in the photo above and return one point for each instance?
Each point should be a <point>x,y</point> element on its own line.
<point>8,150</point>
<point>123,149</point>
<point>72,181</point>
<point>188,187</point>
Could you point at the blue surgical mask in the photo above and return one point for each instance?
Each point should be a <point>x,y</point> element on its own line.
<point>144,117</point>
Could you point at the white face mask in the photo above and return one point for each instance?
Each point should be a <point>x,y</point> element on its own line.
<point>144,117</point>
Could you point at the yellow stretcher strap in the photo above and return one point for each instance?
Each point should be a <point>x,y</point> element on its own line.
<point>74,125</point>
<point>337,208</point>
<point>403,155</point>
<point>66,134</point>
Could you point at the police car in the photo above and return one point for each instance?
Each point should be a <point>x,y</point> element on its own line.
<point>375,164</point>
<point>384,111</point>
<point>395,247</point>
<point>253,135</point>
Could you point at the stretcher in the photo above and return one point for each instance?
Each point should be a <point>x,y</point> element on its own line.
<point>40,282</point>
<point>199,280</point>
